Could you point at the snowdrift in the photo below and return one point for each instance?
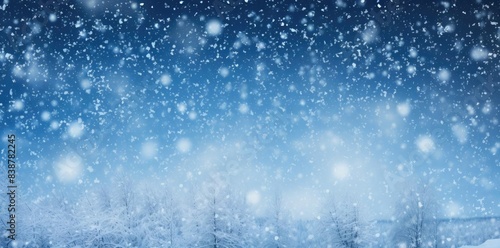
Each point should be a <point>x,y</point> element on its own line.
<point>492,243</point>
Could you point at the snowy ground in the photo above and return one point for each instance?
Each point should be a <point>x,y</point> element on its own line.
<point>492,243</point>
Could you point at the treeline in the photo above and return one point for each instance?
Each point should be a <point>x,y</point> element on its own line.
<point>125,214</point>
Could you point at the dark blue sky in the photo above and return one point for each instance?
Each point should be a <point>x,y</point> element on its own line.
<point>307,98</point>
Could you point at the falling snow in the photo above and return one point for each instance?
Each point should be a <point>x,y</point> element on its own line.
<point>250,124</point>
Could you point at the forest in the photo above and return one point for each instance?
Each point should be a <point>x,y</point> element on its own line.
<point>125,213</point>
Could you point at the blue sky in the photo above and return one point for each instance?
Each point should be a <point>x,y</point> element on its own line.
<point>355,99</point>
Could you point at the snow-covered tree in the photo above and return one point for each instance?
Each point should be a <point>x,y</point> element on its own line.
<point>99,221</point>
<point>416,218</point>
<point>49,222</point>
<point>217,219</point>
<point>343,225</point>
<point>160,224</point>
<point>278,222</point>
